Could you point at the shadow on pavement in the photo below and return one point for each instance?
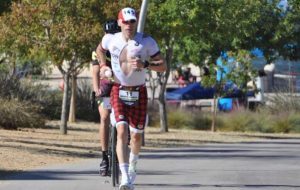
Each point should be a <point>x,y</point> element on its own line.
<point>46,175</point>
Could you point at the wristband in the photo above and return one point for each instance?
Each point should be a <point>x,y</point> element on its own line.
<point>146,64</point>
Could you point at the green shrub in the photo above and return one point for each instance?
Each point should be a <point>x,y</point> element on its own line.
<point>183,118</point>
<point>15,114</point>
<point>286,123</point>
<point>295,122</point>
<point>84,109</point>
<point>201,121</point>
<point>244,121</point>
<point>12,87</point>
<point>153,115</point>
<point>9,85</point>
<point>177,120</point>
<point>234,122</point>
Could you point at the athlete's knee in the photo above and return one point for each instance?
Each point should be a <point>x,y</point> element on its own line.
<point>136,137</point>
<point>104,119</point>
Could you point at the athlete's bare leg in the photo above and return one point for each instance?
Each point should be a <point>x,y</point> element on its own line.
<point>122,143</point>
<point>123,152</point>
<point>104,124</point>
<point>103,134</point>
<point>136,143</point>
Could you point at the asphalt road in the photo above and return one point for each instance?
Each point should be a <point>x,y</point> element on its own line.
<point>269,165</point>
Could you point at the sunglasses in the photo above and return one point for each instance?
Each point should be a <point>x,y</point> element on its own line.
<point>129,22</point>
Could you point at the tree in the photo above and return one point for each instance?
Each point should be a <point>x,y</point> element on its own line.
<point>198,31</point>
<point>53,27</point>
<point>5,5</point>
<point>16,42</point>
<point>286,34</point>
<point>163,15</point>
<point>67,19</point>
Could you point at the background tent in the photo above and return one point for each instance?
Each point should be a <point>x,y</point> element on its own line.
<point>191,92</point>
<point>195,91</point>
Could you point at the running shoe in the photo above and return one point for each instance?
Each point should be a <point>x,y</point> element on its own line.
<point>104,167</point>
<point>126,186</point>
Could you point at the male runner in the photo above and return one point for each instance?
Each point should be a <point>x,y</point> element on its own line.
<point>132,53</point>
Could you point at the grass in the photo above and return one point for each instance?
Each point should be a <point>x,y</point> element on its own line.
<point>263,120</point>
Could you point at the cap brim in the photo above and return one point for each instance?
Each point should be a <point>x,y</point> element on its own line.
<point>128,18</point>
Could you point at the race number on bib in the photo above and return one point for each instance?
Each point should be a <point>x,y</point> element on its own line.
<point>129,97</point>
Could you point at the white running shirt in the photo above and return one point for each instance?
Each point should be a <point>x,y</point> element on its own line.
<point>141,46</point>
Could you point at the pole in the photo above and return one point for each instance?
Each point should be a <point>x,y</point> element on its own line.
<point>142,17</point>
<point>140,28</point>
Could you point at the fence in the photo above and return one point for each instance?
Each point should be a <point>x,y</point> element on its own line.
<point>282,82</point>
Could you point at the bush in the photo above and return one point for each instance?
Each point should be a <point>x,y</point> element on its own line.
<point>84,109</point>
<point>246,121</point>
<point>9,86</point>
<point>183,118</point>
<point>286,123</point>
<point>263,120</point>
<point>23,90</point>
<point>153,114</point>
<point>15,114</point>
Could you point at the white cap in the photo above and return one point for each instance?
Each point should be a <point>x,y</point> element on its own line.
<point>127,14</point>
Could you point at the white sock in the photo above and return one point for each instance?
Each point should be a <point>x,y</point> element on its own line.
<point>124,172</point>
<point>133,157</point>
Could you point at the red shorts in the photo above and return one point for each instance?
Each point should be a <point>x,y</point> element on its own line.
<point>134,115</point>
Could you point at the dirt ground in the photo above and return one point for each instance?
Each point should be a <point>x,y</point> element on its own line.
<point>28,148</point>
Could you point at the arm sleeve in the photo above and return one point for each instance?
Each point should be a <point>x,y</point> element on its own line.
<point>105,42</point>
<point>153,48</point>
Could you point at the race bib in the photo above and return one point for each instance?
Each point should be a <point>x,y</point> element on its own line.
<point>129,97</point>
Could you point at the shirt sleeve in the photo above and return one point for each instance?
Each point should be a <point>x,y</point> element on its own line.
<point>153,48</point>
<point>105,41</point>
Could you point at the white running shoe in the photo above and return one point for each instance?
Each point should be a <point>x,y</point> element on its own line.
<point>132,171</point>
<point>126,186</point>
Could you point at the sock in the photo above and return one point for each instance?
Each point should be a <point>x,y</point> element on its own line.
<point>104,155</point>
<point>132,168</point>
<point>124,172</point>
<point>133,157</point>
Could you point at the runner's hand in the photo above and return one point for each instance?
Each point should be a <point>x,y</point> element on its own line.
<point>136,63</point>
<point>97,92</point>
<point>105,72</point>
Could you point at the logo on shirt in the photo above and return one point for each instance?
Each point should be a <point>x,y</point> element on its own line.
<point>114,56</point>
<point>115,49</point>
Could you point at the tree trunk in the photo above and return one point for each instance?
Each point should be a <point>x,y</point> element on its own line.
<point>163,85</point>
<point>153,89</point>
<point>163,114</point>
<point>214,115</point>
<point>162,103</point>
<point>72,114</point>
<point>63,118</point>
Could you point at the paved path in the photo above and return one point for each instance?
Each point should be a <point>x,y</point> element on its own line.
<point>270,165</point>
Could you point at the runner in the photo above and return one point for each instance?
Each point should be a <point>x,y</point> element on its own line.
<point>132,53</point>
<point>102,86</point>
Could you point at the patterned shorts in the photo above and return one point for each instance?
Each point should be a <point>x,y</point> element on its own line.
<point>134,115</point>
